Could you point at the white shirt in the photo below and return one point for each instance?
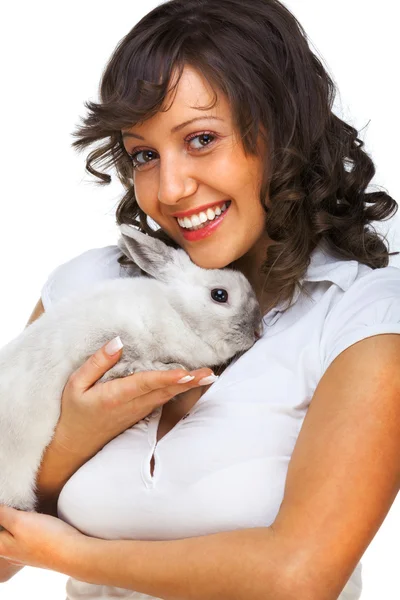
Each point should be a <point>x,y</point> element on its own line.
<point>224,465</point>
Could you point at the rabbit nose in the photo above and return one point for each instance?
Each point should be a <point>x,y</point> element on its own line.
<point>258,323</point>
<point>259,331</point>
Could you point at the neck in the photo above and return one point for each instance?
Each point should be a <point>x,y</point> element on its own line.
<point>250,266</point>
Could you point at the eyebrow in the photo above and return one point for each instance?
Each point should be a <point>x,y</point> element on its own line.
<point>174,129</point>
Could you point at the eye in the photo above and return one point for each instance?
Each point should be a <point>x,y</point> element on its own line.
<point>219,295</point>
<point>203,135</point>
<point>206,135</point>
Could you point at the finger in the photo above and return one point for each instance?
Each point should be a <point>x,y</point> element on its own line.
<point>144,382</point>
<point>7,517</point>
<point>96,365</point>
<point>155,387</point>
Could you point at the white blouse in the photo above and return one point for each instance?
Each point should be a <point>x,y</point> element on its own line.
<point>223,466</point>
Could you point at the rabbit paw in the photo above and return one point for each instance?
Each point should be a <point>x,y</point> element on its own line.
<point>121,369</point>
<point>125,368</point>
<point>155,365</point>
<point>160,366</point>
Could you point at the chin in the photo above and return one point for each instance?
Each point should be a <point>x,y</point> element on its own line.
<point>213,263</point>
<point>211,258</point>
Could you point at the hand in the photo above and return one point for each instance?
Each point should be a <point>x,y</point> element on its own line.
<point>92,415</point>
<point>37,540</point>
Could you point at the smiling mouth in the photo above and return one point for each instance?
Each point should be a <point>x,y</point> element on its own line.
<point>209,216</point>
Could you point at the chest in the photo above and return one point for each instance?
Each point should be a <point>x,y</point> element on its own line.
<point>167,422</point>
<point>231,451</point>
<point>173,412</point>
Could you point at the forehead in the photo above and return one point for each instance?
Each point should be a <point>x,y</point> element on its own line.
<point>192,93</point>
<point>193,89</point>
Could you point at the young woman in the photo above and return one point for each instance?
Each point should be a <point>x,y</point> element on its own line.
<point>271,482</point>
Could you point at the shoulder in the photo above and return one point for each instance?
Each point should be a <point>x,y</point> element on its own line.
<point>81,271</point>
<point>344,302</point>
<point>369,306</point>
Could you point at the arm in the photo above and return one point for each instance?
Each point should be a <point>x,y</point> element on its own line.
<point>349,445</point>
<point>89,419</point>
<point>57,466</point>
<point>8,570</point>
<point>55,470</point>
<point>59,463</point>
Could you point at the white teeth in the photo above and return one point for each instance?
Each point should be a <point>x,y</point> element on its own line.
<point>197,220</point>
<point>186,222</point>
<point>203,217</point>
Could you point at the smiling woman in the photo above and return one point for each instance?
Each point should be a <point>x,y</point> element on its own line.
<point>295,175</point>
<point>217,118</point>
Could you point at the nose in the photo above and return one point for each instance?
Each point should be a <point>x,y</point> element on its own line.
<point>175,183</point>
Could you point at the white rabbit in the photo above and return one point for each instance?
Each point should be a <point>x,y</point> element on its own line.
<point>182,315</point>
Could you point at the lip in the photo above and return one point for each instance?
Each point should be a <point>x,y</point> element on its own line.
<point>199,209</point>
<point>199,234</point>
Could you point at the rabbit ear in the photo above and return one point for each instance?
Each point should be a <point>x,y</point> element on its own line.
<point>150,254</point>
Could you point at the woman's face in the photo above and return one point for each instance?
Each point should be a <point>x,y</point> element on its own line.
<point>175,174</point>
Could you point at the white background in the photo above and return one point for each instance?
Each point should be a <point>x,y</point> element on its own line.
<point>52,57</point>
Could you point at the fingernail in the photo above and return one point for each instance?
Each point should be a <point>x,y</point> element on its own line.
<point>186,379</point>
<point>209,379</point>
<point>113,346</point>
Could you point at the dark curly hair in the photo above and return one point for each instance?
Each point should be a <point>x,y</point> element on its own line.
<point>257,54</point>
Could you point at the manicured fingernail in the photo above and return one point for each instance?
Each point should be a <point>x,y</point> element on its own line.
<point>113,346</point>
<point>209,379</point>
<point>186,379</point>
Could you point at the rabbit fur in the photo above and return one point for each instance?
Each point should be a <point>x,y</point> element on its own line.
<point>166,319</point>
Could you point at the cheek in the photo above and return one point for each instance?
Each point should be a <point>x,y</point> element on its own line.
<point>146,198</point>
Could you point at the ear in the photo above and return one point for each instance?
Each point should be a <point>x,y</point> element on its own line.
<point>151,255</point>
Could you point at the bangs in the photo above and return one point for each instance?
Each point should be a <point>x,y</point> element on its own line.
<point>137,82</point>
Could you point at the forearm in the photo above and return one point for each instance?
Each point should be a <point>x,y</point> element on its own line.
<point>58,464</point>
<point>7,570</point>
<point>234,565</point>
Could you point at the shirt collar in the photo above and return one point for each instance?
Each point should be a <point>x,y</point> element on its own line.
<point>323,267</point>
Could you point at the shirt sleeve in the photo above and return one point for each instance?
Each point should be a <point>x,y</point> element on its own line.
<point>83,271</point>
<point>371,306</point>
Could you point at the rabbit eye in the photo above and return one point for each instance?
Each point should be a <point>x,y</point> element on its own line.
<point>219,295</point>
